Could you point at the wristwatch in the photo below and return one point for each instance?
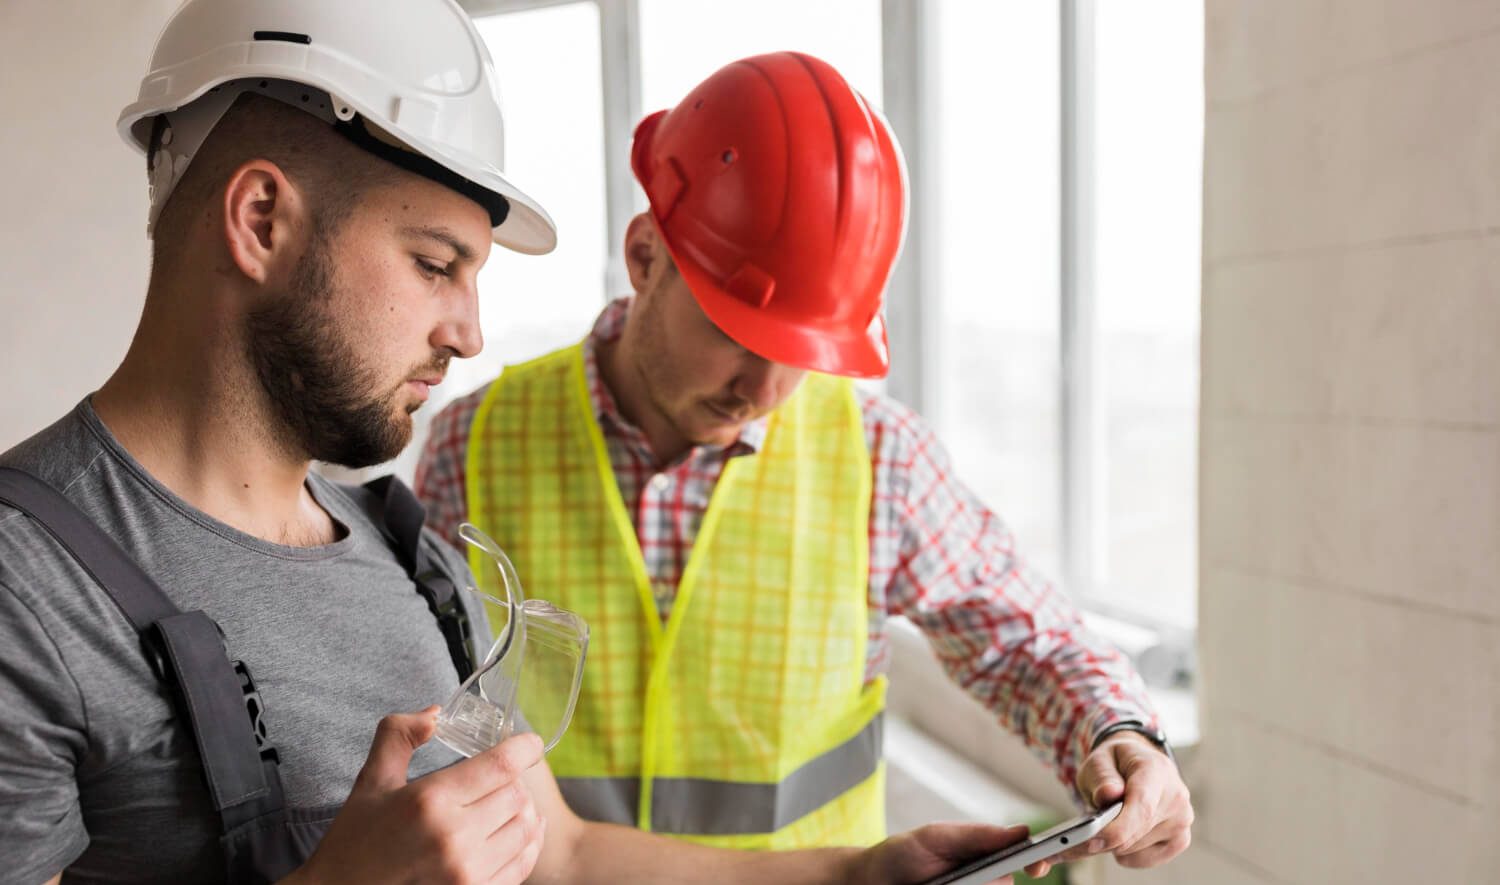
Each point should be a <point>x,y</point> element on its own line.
<point>1156,736</point>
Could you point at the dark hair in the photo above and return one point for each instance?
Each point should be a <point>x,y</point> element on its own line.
<point>333,174</point>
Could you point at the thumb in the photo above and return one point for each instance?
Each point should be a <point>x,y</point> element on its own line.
<point>396,738</point>
<point>1108,789</point>
<point>967,841</point>
<point>1101,781</point>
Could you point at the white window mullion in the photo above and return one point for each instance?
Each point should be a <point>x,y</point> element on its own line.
<point>1082,478</point>
<point>912,299</point>
<point>620,50</point>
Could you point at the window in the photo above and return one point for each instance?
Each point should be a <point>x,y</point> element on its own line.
<point>549,67</point>
<point>1045,317</point>
<point>993,167</point>
<point>683,41</point>
<point>1149,172</point>
<point>1061,155</point>
<point>548,62</point>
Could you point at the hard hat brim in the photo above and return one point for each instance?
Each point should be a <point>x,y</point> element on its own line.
<point>863,354</point>
<point>527,227</point>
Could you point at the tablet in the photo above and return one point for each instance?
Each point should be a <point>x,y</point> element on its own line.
<point>1041,846</point>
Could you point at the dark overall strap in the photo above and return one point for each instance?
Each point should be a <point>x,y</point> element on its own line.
<point>186,649</point>
<point>400,518</point>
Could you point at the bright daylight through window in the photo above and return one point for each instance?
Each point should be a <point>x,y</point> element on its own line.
<point>1120,460</point>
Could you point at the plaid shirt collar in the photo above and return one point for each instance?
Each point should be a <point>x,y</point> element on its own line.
<point>612,421</point>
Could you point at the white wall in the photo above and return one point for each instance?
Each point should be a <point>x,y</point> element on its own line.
<point>73,248</point>
<point>1350,527</point>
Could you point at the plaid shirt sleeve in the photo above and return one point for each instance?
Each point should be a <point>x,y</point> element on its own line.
<point>1002,631</point>
<point>440,471</point>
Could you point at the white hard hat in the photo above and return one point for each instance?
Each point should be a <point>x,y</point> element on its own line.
<point>409,80</point>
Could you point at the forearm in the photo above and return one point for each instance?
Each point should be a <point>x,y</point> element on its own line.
<point>616,854</point>
<point>1058,688</point>
<point>1013,641</point>
<point>580,851</point>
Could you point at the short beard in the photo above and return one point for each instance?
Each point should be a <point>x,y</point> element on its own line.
<point>314,378</point>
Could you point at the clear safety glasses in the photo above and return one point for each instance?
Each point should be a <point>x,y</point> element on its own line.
<point>529,681</point>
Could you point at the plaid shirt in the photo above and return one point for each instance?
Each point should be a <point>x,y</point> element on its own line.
<point>938,557</point>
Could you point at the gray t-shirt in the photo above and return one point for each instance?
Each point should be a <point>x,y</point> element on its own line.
<point>96,775</point>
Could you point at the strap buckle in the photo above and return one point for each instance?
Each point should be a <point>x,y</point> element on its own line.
<point>256,709</point>
<point>156,656</point>
<point>452,619</point>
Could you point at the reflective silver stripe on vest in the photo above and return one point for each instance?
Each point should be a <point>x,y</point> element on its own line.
<point>701,807</point>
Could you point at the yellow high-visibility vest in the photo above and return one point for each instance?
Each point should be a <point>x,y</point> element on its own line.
<point>745,720</point>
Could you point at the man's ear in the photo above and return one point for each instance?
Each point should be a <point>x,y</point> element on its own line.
<point>646,257</point>
<point>263,215</point>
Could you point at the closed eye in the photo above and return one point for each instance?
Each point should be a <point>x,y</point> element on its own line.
<point>430,270</point>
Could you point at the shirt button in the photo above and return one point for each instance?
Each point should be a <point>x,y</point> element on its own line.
<point>659,483</point>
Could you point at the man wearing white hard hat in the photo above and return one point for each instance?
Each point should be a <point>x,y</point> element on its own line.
<point>197,634</point>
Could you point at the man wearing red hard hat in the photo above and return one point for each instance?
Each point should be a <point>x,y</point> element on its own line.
<point>699,479</point>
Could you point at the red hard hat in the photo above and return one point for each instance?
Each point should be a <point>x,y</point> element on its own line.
<point>782,198</point>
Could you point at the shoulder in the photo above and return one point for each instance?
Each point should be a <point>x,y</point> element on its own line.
<point>895,432</point>
<point>60,454</point>
<point>65,456</point>
<point>55,618</point>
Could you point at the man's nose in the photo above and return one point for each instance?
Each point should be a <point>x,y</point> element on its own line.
<point>459,329</point>
<point>759,382</point>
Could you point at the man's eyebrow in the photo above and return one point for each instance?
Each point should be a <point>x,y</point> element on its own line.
<point>463,250</point>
